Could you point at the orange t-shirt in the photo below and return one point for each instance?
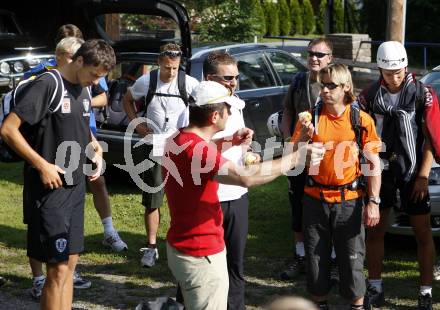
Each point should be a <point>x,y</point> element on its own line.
<point>340,164</point>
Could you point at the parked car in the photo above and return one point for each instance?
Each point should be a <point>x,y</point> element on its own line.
<point>399,221</point>
<point>265,74</point>
<point>19,52</point>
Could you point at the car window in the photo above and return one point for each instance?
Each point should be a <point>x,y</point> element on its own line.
<point>254,72</point>
<point>284,65</point>
<point>433,79</point>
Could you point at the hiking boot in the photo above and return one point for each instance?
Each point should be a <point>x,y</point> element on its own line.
<point>114,242</point>
<point>373,297</point>
<point>334,272</point>
<point>149,257</point>
<point>79,282</point>
<point>437,271</point>
<point>425,302</point>
<point>37,288</point>
<point>298,267</point>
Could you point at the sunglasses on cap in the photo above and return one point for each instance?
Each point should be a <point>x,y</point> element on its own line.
<point>228,78</point>
<point>317,54</point>
<point>329,86</point>
<point>171,53</point>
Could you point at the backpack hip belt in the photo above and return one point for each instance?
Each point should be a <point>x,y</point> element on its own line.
<point>352,186</point>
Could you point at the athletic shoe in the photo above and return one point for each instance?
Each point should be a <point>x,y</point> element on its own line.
<point>334,272</point>
<point>37,288</point>
<point>425,302</point>
<point>298,267</point>
<point>2,281</point>
<point>115,242</point>
<point>437,271</point>
<point>79,282</point>
<point>150,256</point>
<point>373,297</point>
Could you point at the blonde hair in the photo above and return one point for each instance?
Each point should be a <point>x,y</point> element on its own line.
<point>291,303</point>
<point>340,75</point>
<point>69,45</point>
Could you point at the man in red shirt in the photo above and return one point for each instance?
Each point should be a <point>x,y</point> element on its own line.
<point>192,168</point>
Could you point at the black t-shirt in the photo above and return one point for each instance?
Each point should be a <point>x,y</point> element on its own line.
<point>66,130</point>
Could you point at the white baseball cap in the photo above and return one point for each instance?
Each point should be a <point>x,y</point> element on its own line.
<point>209,92</point>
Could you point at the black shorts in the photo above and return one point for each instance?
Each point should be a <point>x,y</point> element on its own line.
<point>55,222</point>
<point>340,225</point>
<point>388,195</point>
<point>296,193</point>
<point>152,198</point>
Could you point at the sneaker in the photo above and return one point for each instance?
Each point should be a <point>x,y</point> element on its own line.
<point>114,242</point>
<point>79,282</point>
<point>334,272</point>
<point>37,288</point>
<point>298,267</point>
<point>373,297</point>
<point>150,256</point>
<point>425,302</point>
<point>437,271</point>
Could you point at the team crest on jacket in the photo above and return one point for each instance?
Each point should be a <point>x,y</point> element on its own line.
<point>60,245</point>
<point>86,104</point>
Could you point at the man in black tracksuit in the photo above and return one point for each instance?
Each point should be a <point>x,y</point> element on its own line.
<point>397,102</point>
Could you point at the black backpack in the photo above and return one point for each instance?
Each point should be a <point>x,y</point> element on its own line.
<point>8,103</point>
<point>181,84</point>
<point>113,115</point>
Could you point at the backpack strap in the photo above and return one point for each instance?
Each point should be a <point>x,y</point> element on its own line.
<point>57,97</point>
<point>355,119</point>
<point>151,87</point>
<point>181,84</point>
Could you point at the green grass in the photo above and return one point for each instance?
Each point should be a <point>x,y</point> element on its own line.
<point>119,282</point>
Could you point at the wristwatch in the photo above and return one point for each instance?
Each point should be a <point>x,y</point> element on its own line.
<point>374,199</point>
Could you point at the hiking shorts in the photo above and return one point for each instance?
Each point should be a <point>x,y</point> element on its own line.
<point>327,224</point>
<point>388,196</point>
<point>153,198</point>
<point>296,193</point>
<point>56,223</point>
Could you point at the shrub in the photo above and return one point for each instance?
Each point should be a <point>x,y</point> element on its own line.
<point>309,17</point>
<point>338,16</point>
<point>296,16</point>
<point>320,20</point>
<point>284,17</point>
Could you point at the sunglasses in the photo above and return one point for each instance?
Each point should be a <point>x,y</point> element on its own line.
<point>228,78</point>
<point>171,53</point>
<point>329,86</point>
<point>317,54</point>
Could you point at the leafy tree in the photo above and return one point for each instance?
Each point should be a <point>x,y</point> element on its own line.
<point>338,16</point>
<point>284,17</point>
<point>296,16</point>
<point>228,23</point>
<point>309,17</point>
<point>320,20</point>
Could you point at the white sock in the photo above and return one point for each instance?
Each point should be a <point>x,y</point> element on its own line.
<point>333,255</point>
<point>108,225</point>
<point>424,289</point>
<point>300,249</point>
<point>39,278</point>
<point>377,284</point>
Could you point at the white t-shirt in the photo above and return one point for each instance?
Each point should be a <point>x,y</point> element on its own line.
<point>235,154</point>
<point>394,98</point>
<point>167,113</point>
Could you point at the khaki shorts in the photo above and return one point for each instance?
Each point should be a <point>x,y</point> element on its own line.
<point>204,280</point>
